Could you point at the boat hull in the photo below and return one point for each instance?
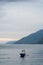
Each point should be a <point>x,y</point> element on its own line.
<point>22,55</point>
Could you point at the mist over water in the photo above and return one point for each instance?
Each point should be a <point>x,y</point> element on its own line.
<point>9,54</point>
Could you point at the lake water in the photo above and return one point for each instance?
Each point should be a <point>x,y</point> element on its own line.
<point>9,54</point>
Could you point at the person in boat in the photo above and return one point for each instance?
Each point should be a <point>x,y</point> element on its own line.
<point>22,54</point>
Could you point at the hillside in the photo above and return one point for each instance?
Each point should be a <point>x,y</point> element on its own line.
<point>11,42</point>
<point>34,38</point>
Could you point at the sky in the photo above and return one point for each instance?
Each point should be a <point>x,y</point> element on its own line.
<point>19,18</point>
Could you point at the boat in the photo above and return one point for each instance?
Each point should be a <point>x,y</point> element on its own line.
<point>22,54</point>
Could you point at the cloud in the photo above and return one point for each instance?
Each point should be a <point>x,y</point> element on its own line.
<point>2,13</point>
<point>16,0</point>
<point>19,19</point>
<point>21,0</point>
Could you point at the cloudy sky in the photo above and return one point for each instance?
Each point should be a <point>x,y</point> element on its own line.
<point>19,18</point>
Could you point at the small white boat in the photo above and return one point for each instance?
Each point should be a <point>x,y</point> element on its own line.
<point>22,54</point>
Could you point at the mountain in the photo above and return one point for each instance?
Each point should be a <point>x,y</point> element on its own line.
<point>40,41</point>
<point>34,38</point>
<point>11,42</point>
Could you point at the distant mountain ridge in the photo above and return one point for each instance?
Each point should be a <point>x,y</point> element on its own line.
<point>34,38</point>
<point>11,42</point>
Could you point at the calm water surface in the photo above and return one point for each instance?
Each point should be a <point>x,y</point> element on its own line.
<point>9,54</point>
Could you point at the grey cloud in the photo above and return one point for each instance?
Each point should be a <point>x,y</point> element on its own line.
<point>6,1</point>
<point>16,0</point>
<point>22,20</point>
<point>21,1</point>
<point>2,14</point>
<point>13,0</point>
